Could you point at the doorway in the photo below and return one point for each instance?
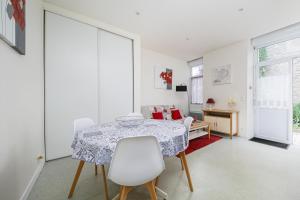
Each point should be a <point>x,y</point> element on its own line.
<point>277,92</point>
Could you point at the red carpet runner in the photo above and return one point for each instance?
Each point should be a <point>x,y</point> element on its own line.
<point>201,142</point>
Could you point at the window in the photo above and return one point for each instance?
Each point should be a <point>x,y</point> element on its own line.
<point>196,81</point>
<point>196,71</point>
<point>197,90</point>
<point>280,50</point>
<point>273,73</point>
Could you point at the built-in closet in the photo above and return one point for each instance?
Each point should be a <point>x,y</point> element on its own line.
<point>89,72</point>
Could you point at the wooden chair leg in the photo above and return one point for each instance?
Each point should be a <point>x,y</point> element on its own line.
<point>124,192</point>
<point>156,181</point>
<point>182,168</point>
<point>186,168</point>
<point>96,170</point>
<point>105,182</point>
<point>78,172</point>
<point>151,188</point>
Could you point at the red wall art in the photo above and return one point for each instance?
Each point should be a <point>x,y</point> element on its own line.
<point>163,78</point>
<point>12,23</point>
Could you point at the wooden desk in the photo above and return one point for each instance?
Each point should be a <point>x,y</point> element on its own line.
<point>223,121</point>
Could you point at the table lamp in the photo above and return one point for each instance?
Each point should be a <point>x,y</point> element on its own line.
<point>210,103</point>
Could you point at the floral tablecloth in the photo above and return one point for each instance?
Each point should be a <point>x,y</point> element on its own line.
<point>96,144</point>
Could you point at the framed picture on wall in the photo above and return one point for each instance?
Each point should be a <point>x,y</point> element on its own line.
<point>12,24</point>
<point>163,78</point>
<point>222,75</point>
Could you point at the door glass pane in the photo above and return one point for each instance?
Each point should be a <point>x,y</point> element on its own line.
<point>296,94</point>
<point>272,86</point>
<point>280,50</point>
<point>296,81</point>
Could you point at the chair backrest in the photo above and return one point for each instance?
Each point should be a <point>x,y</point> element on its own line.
<point>134,114</point>
<point>82,123</point>
<point>188,122</point>
<point>136,161</point>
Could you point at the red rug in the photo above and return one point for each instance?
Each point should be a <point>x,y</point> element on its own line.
<point>201,142</point>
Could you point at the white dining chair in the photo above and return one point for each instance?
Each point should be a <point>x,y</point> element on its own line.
<point>80,124</point>
<point>187,123</point>
<point>135,114</point>
<point>136,161</point>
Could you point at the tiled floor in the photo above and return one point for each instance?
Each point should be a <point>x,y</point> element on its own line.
<point>226,170</point>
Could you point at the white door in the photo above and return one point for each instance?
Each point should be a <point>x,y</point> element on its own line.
<point>115,76</point>
<point>71,83</point>
<point>273,101</point>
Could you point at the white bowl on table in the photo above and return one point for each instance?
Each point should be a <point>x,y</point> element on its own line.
<point>130,121</point>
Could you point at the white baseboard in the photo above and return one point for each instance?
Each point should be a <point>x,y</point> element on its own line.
<point>32,181</point>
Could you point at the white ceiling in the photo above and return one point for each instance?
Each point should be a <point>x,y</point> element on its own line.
<point>165,25</point>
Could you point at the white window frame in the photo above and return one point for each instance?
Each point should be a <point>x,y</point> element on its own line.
<point>196,77</point>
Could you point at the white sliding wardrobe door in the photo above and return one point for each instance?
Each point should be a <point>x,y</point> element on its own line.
<point>71,82</point>
<point>115,76</point>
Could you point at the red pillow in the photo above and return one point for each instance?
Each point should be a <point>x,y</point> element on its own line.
<point>176,114</point>
<point>157,115</point>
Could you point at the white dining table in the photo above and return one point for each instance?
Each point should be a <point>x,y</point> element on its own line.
<point>97,144</point>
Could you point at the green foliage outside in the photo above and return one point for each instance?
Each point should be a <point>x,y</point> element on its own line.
<point>263,54</point>
<point>262,71</point>
<point>296,116</point>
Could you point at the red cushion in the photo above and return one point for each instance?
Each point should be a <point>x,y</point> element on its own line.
<point>176,115</point>
<point>157,115</point>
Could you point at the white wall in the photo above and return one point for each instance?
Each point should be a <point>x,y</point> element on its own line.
<point>21,108</point>
<point>153,96</point>
<point>238,56</point>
